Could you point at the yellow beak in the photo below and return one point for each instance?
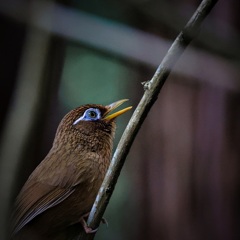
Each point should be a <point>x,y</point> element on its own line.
<point>113,106</point>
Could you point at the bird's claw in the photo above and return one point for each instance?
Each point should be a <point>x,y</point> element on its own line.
<point>104,221</point>
<point>89,230</point>
<point>86,227</point>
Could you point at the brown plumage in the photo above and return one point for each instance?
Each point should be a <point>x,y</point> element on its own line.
<point>63,187</point>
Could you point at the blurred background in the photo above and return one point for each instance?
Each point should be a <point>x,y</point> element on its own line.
<point>181,179</point>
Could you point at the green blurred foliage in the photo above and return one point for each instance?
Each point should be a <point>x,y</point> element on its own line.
<point>89,77</point>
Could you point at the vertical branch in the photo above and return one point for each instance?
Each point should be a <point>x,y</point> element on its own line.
<point>152,89</point>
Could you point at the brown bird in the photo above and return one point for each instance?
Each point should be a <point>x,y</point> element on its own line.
<point>61,190</point>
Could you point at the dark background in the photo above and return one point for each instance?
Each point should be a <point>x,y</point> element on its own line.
<point>181,178</point>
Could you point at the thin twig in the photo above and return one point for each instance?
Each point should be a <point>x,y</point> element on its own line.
<point>152,89</point>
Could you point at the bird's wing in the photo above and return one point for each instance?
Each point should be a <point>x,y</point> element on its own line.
<point>35,199</point>
<point>47,187</point>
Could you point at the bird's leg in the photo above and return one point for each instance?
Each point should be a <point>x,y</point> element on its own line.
<point>104,221</point>
<point>85,226</point>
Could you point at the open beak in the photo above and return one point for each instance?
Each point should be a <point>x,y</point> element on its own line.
<point>113,106</point>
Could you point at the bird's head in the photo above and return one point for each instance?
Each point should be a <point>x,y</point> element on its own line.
<point>90,123</point>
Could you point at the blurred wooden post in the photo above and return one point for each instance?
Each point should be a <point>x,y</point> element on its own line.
<point>24,122</point>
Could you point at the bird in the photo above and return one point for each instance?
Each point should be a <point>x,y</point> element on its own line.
<point>58,195</point>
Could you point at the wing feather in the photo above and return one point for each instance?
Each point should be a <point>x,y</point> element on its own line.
<point>38,198</point>
<point>49,186</point>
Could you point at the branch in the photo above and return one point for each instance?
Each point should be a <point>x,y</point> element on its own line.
<point>152,89</point>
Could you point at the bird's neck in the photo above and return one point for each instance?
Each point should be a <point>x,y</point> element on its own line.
<point>100,143</point>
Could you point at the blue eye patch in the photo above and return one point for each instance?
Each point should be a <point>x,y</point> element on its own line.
<point>91,114</point>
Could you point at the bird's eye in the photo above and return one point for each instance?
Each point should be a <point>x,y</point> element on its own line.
<point>91,114</point>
